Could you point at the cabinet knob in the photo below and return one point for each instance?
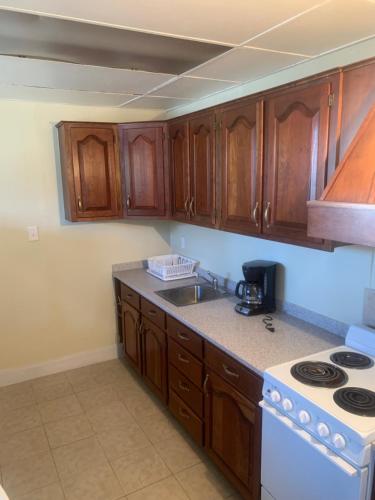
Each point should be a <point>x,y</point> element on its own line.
<point>255,213</point>
<point>128,201</point>
<point>267,214</point>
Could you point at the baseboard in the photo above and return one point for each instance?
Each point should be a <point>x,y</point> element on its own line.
<point>14,375</point>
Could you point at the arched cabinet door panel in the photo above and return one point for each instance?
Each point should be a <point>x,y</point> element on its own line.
<point>241,146</point>
<point>131,335</point>
<point>90,171</point>
<point>179,168</point>
<point>154,344</point>
<point>142,152</point>
<point>298,125</point>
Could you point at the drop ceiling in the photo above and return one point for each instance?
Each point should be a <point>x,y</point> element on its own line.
<point>165,54</point>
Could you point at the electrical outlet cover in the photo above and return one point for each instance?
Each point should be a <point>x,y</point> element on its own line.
<point>369,307</point>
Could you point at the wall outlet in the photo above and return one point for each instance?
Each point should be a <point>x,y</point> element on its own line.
<point>182,242</point>
<point>369,307</point>
<point>33,233</point>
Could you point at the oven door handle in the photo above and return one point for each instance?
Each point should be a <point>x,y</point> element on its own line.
<point>348,469</point>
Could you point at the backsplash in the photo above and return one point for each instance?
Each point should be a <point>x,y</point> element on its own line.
<point>369,307</point>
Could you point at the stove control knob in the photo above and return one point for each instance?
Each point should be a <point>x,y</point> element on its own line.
<point>323,430</point>
<point>304,417</point>
<point>287,404</point>
<point>339,441</point>
<point>275,396</point>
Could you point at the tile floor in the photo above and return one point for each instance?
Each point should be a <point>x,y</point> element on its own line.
<point>97,433</point>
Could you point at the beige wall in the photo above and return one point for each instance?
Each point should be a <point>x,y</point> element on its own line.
<point>55,294</point>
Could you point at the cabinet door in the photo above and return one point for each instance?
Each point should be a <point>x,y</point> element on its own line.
<point>90,171</point>
<point>131,335</point>
<point>241,157</point>
<point>142,150</point>
<point>297,126</point>
<point>179,168</point>
<point>202,169</point>
<point>155,358</point>
<point>233,434</point>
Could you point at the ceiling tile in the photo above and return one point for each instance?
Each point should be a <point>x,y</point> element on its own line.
<point>245,64</point>
<point>37,73</point>
<point>228,22</point>
<point>193,88</point>
<point>63,96</point>
<point>163,103</point>
<point>330,26</point>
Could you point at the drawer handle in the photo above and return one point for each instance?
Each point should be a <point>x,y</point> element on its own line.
<point>182,336</point>
<point>118,301</point>
<point>229,372</point>
<point>129,295</point>
<point>183,359</point>
<point>183,387</point>
<point>205,384</point>
<point>151,312</point>
<point>184,413</point>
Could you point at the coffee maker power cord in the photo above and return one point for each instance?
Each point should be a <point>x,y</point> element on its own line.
<point>267,320</point>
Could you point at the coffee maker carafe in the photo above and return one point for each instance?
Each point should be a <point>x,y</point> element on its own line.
<point>257,291</point>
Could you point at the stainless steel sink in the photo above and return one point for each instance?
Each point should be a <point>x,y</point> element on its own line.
<point>191,294</point>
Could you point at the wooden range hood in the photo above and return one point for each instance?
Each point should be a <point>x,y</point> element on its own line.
<point>346,211</point>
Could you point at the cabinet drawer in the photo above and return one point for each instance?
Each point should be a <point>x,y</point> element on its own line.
<point>186,417</point>
<point>185,337</point>
<point>232,371</point>
<point>153,313</point>
<point>186,390</point>
<point>185,362</point>
<point>130,296</point>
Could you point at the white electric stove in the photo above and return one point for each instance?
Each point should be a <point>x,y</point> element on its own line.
<point>318,437</point>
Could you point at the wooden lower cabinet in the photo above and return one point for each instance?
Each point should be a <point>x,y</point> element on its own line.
<point>233,434</point>
<point>154,351</point>
<point>131,335</point>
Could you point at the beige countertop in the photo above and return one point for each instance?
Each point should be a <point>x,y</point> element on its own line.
<point>245,338</point>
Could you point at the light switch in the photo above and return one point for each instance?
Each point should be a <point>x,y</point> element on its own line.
<point>33,233</point>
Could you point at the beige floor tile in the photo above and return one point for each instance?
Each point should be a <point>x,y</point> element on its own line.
<point>22,445</point>
<point>58,409</point>
<point>98,484</point>
<point>139,469</point>
<point>97,396</point>
<point>68,430</point>
<point>122,440</point>
<point>82,379</point>
<point>49,380</point>
<point>202,482</point>
<point>29,474</point>
<point>109,416</point>
<point>139,403</point>
<point>49,392</point>
<point>51,492</point>
<point>178,453</point>
<point>19,420</point>
<point>168,489</point>
<point>158,427</point>
<point>78,457</point>
<point>16,396</point>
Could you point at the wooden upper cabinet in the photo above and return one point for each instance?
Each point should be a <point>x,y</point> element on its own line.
<point>142,152</point>
<point>241,133</point>
<point>202,169</point>
<point>90,171</point>
<point>179,169</point>
<point>298,124</point>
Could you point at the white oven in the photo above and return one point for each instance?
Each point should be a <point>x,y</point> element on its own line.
<point>296,466</point>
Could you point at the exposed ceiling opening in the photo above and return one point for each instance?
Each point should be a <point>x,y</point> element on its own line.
<point>47,38</point>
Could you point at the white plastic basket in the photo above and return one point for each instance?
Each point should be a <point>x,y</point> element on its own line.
<point>171,267</point>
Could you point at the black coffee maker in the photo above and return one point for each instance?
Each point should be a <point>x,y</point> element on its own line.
<point>257,292</point>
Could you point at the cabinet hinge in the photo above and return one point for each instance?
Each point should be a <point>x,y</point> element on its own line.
<point>331,99</point>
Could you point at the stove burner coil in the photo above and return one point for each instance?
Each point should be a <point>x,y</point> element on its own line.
<point>356,400</point>
<point>349,359</point>
<point>319,374</point>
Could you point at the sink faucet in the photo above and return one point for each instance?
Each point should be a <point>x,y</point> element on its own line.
<point>215,282</point>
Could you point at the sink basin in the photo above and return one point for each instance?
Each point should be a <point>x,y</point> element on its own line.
<point>191,294</point>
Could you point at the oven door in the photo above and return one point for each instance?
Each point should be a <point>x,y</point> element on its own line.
<point>296,466</point>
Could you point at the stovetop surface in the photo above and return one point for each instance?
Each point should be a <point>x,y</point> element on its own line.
<point>323,397</point>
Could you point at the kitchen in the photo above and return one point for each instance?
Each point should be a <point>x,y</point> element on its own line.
<point>233,144</point>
